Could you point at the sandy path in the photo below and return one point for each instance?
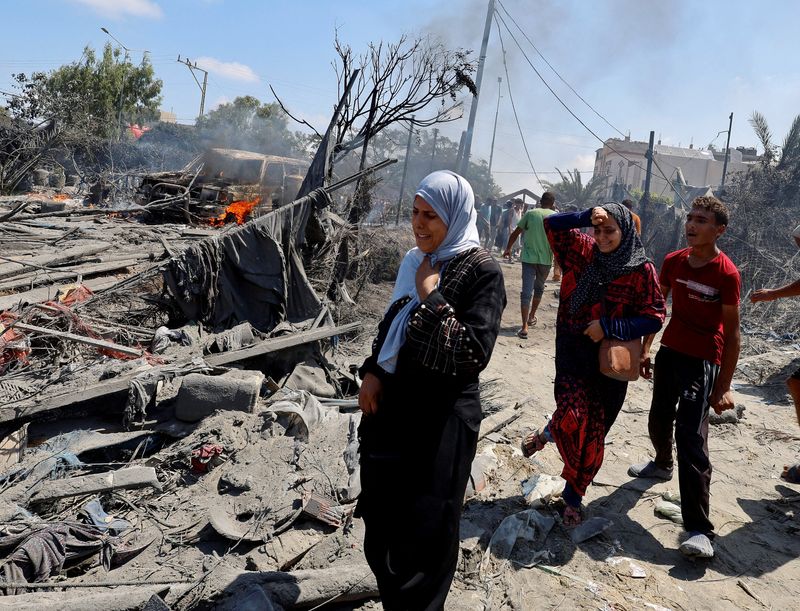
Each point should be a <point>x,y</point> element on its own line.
<point>757,545</point>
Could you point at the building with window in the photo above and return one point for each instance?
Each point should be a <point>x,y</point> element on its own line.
<point>624,165</point>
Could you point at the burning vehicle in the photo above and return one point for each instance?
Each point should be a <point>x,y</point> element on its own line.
<point>223,185</point>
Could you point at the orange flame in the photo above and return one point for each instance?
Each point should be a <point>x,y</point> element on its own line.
<point>238,211</point>
<point>60,197</point>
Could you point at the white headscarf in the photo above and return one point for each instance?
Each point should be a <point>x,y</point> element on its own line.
<point>451,197</point>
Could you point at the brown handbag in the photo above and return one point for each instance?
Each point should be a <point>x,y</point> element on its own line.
<point>620,359</point>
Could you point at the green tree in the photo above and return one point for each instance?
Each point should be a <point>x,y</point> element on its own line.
<point>422,161</point>
<point>570,190</point>
<point>248,124</point>
<point>90,96</point>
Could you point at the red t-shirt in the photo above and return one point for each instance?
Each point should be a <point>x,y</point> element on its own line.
<point>698,295</point>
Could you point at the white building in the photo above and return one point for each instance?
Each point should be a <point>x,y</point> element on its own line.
<point>623,162</point>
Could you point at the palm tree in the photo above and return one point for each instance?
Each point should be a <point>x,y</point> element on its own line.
<point>571,190</point>
<point>788,155</point>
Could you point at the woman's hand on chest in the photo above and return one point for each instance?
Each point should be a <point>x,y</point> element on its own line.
<point>427,278</point>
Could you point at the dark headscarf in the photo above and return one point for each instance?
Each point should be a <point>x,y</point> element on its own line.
<point>607,267</point>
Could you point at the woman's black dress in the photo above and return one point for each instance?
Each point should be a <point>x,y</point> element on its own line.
<point>416,451</point>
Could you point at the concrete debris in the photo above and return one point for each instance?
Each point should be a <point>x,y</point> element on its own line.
<point>134,477</point>
<point>669,510</point>
<point>200,395</point>
<point>627,567</point>
<point>299,589</point>
<point>730,416</point>
<point>540,489</point>
<point>590,528</point>
<point>526,531</point>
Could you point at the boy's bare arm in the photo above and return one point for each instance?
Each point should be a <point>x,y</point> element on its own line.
<point>721,397</point>
<point>788,290</point>
<point>647,342</point>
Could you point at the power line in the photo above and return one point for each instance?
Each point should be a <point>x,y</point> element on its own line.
<point>571,88</point>
<point>570,111</point>
<point>511,97</point>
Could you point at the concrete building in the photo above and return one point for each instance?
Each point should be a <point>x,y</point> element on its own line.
<point>623,163</point>
<point>167,117</point>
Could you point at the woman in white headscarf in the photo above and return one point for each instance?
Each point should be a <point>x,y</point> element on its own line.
<point>420,397</point>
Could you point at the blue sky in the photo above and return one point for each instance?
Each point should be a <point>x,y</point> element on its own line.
<point>678,67</point>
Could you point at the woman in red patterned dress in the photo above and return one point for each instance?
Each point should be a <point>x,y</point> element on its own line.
<point>609,289</point>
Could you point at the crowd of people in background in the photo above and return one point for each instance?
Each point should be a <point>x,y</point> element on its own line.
<point>439,331</point>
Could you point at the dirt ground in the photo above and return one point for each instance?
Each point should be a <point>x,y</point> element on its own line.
<point>754,511</point>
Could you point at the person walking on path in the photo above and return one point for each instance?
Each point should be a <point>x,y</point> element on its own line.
<point>694,366</point>
<point>791,473</point>
<point>420,397</point>
<point>537,257</point>
<point>505,224</point>
<point>496,213</point>
<point>609,289</point>
<point>484,215</point>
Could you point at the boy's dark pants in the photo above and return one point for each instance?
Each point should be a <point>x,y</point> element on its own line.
<point>681,388</point>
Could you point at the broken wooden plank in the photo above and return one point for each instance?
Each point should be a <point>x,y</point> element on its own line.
<point>10,413</point>
<point>51,260</point>
<point>133,477</point>
<point>66,235</point>
<point>117,598</point>
<point>305,588</point>
<point>167,249</point>
<point>280,343</point>
<point>28,264</point>
<point>45,293</point>
<point>24,228</point>
<point>80,339</point>
<point>12,213</point>
<point>499,420</point>
<point>90,269</point>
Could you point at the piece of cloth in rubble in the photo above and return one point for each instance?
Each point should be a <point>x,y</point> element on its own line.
<point>96,516</point>
<point>451,197</point>
<point>42,551</point>
<point>144,387</point>
<point>232,339</point>
<point>252,273</point>
<point>164,336</point>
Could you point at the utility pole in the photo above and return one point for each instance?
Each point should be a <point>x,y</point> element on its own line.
<point>646,197</point>
<point>122,94</point>
<point>494,131</point>
<point>405,171</point>
<point>192,67</point>
<point>433,153</point>
<point>460,154</point>
<point>473,110</point>
<point>727,154</point>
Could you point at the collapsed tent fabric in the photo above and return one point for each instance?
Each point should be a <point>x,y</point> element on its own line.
<point>253,273</point>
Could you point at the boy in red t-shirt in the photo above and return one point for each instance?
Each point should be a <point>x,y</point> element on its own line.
<point>694,366</point>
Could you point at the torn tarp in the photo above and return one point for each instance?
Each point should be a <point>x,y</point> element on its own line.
<point>253,273</point>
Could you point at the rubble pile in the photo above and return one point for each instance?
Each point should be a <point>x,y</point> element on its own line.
<point>176,423</point>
